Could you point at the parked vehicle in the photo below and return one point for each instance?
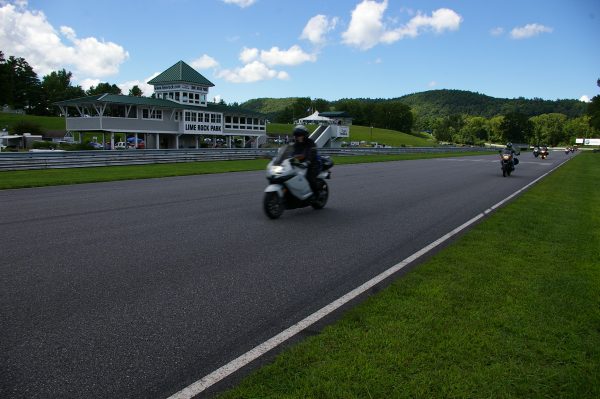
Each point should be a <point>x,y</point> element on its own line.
<point>96,146</point>
<point>121,145</point>
<point>289,188</point>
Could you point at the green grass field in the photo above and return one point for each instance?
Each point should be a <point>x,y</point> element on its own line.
<point>45,122</point>
<point>510,310</point>
<point>364,133</point>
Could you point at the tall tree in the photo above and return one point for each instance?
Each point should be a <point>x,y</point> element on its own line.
<point>23,89</point>
<point>302,107</point>
<point>319,104</point>
<point>475,130</point>
<point>56,86</point>
<point>4,83</point>
<point>135,91</point>
<point>547,129</point>
<point>103,88</point>
<point>577,128</point>
<point>515,128</point>
<point>495,132</point>
<point>593,111</point>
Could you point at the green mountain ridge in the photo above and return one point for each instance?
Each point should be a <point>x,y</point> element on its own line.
<point>445,102</point>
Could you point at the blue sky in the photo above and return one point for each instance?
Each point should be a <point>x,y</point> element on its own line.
<point>317,48</point>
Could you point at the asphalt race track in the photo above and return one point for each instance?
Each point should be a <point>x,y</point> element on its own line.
<point>136,289</point>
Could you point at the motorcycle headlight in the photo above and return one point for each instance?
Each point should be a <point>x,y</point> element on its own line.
<point>506,157</point>
<point>277,169</point>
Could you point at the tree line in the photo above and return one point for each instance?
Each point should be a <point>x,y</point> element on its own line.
<point>21,88</point>
<point>393,115</point>
<point>461,117</point>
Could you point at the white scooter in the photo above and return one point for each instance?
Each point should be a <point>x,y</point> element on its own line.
<point>289,188</point>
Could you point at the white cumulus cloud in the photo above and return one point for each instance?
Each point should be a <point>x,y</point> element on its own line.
<point>585,99</point>
<point>529,30</point>
<point>497,31</point>
<point>240,3</point>
<point>147,89</point>
<point>248,55</point>
<point>252,72</point>
<point>290,57</point>
<point>28,34</point>
<point>204,62</point>
<point>87,83</point>
<point>367,28</point>
<point>317,27</point>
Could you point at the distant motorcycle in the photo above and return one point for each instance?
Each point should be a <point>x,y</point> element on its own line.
<point>544,152</point>
<point>536,151</point>
<point>507,162</point>
<point>289,188</point>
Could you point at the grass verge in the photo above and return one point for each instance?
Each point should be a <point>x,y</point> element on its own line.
<point>512,309</point>
<point>54,177</point>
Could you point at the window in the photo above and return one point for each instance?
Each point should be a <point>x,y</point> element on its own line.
<point>190,116</point>
<point>151,113</point>
<point>207,118</point>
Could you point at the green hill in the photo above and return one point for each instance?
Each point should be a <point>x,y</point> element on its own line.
<point>436,103</point>
<point>268,106</point>
<point>439,103</point>
<point>46,123</point>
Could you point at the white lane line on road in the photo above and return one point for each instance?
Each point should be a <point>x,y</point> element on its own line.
<point>258,351</point>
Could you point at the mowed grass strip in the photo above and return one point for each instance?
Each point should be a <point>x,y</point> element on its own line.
<point>54,177</point>
<point>511,309</point>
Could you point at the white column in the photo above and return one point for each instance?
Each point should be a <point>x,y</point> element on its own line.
<point>197,136</point>
<point>112,140</point>
<point>176,141</point>
<point>157,145</point>
<point>135,141</point>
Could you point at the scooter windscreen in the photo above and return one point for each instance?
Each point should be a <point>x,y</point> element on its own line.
<point>284,152</point>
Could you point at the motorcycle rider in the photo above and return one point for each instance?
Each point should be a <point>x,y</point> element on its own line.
<point>305,150</point>
<point>514,160</point>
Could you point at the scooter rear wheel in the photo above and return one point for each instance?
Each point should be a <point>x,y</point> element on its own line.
<point>322,196</point>
<point>273,205</point>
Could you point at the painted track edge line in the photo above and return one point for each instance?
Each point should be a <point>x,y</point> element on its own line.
<point>221,373</point>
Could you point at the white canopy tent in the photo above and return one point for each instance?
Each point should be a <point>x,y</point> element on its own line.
<point>315,118</point>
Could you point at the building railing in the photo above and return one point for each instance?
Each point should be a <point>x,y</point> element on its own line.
<point>83,159</point>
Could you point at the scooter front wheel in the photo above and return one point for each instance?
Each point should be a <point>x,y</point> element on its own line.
<point>273,205</point>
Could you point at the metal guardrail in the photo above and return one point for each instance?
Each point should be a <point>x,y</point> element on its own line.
<point>84,159</point>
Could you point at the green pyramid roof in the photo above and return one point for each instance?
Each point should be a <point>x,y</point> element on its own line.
<point>181,72</point>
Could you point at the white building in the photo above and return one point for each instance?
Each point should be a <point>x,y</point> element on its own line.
<point>179,116</point>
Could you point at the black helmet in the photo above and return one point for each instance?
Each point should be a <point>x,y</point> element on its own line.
<point>509,145</point>
<point>300,130</point>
